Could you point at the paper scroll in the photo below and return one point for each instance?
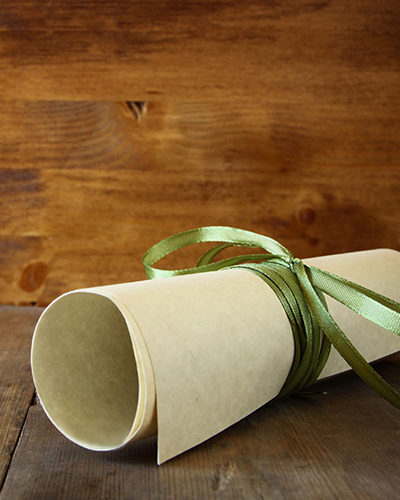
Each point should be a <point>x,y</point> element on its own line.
<point>184,357</point>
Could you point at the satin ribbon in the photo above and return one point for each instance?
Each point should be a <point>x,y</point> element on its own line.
<point>300,289</point>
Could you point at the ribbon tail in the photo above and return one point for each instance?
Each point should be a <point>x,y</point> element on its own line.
<point>341,343</point>
<point>377,308</point>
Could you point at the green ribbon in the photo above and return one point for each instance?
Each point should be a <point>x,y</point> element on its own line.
<point>300,289</point>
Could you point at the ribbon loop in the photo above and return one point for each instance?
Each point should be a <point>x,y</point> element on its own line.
<point>300,289</point>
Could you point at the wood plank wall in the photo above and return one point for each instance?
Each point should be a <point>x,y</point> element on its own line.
<point>278,117</point>
<point>284,51</point>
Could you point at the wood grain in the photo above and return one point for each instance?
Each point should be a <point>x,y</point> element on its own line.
<point>86,188</point>
<point>278,117</point>
<point>287,52</point>
<point>341,445</point>
<point>16,387</point>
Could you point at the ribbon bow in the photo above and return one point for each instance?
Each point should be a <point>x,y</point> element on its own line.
<point>300,289</point>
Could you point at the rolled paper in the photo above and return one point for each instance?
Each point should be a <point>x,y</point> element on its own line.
<point>185,357</point>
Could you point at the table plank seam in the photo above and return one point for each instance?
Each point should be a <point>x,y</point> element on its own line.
<point>18,440</point>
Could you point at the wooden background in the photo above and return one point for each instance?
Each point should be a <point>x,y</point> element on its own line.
<point>278,117</point>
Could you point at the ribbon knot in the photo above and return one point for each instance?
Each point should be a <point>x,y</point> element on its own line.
<point>300,289</point>
<point>295,263</point>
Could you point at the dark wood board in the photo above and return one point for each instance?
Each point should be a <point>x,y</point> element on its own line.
<point>86,188</point>
<point>291,51</point>
<point>341,445</point>
<point>16,386</point>
<point>344,444</point>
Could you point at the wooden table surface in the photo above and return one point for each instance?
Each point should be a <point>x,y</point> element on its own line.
<point>344,444</point>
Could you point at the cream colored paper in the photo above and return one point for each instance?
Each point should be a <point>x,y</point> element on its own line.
<point>185,357</point>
